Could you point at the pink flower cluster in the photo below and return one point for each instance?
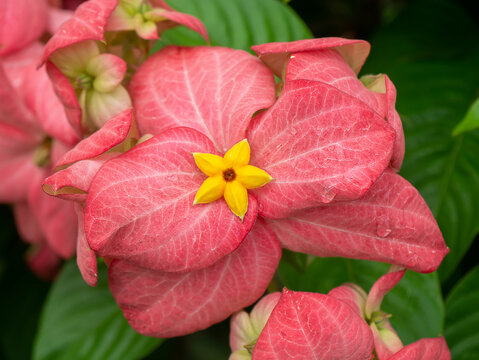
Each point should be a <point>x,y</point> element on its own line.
<point>302,325</point>
<point>128,125</point>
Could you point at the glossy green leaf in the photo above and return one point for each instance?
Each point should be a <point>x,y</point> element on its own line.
<point>470,121</point>
<point>79,322</point>
<point>462,318</point>
<point>237,23</point>
<point>415,303</point>
<point>433,63</point>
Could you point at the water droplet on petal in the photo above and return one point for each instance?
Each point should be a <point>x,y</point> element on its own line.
<point>293,130</point>
<point>172,178</point>
<point>382,230</point>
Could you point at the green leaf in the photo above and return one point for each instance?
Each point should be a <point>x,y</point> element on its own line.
<point>462,318</point>
<point>237,23</point>
<point>415,303</point>
<point>79,322</point>
<point>470,121</point>
<point>433,62</point>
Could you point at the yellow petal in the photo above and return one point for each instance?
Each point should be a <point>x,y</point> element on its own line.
<point>236,197</point>
<point>210,164</point>
<point>212,189</point>
<point>239,154</point>
<point>252,177</point>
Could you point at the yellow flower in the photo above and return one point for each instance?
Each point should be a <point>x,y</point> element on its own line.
<point>229,176</point>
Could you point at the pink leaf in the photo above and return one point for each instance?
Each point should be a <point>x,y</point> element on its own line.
<point>380,288</point>
<point>21,23</point>
<point>43,261</point>
<point>313,326</point>
<point>56,218</point>
<point>187,20</point>
<point>88,23</point>
<point>391,223</point>
<point>213,90</point>
<point>319,144</point>
<point>113,133</point>
<point>86,258</point>
<point>395,121</point>
<point>424,349</point>
<point>276,55</point>
<point>140,208</point>
<point>74,182</point>
<point>27,225</point>
<point>173,304</point>
<point>351,294</point>
<point>67,96</point>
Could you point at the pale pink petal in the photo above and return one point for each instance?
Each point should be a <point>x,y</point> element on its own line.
<point>27,225</point>
<point>140,207</point>
<point>187,20</point>
<point>173,304</point>
<point>56,218</point>
<point>276,55</point>
<point>213,90</point>
<point>380,288</point>
<point>113,133</point>
<point>262,310</point>
<point>351,294</point>
<point>67,96</point>
<point>74,182</point>
<point>86,258</point>
<point>313,326</point>
<point>13,110</point>
<point>56,17</point>
<point>391,223</point>
<point>88,23</point>
<point>41,99</point>
<point>241,332</point>
<point>16,163</point>
<point>43,261</point>
<point>319,145</point>
<point>386,340</point>
<point>424,349</point>
<point>21,23</point>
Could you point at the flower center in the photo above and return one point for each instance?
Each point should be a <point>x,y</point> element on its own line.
<point>229,175</point>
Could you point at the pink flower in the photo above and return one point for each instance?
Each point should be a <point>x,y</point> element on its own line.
<point>332,194</point>
<point>345,324</point>
<point>34,133</point>
<point>88,77</point>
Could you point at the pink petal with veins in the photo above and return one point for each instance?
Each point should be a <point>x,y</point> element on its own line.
<point>330,67</point>
<point>352,295</point>
<point>88,23</point>
<point>391,223</point>
<point>67,96</point>
<point>319,145</point>
<point>86,258</point>
<point>173,304</point>
<point>21,23</point>
<point>187,20</point>
<point>276,55</point>
<point>380,288</point>
<point>424,349</point>
<point>213,90</point>
<point>113,133</point>
<point>313,326</point>
<point>56,218</point>
<point>74,182</point>
<point>140,207</point>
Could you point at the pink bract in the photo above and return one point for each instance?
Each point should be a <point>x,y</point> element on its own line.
<point>313,326</point>
<point>327,150</point>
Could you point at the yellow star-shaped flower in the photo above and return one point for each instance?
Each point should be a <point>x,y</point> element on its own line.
<point>229,176</point>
